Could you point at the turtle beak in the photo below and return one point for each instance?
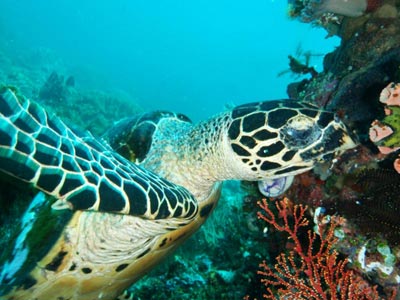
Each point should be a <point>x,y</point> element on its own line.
<point>335,140</point>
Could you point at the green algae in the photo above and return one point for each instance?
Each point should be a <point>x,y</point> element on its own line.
<point>393,121</point>
<point>48,225</point>
<point>47,228</point>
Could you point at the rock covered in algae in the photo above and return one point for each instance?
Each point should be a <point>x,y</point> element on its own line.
<point>354,74</point>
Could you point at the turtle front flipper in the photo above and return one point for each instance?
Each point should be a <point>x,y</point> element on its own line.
<point>79,171</point>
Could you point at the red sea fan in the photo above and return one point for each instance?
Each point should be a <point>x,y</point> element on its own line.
<point>314,271</point>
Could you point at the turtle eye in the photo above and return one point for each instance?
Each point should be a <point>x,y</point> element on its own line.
<point>300,132</point>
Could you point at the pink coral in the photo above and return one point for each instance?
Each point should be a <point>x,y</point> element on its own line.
<point>396,165</point>
<point>379,131</point>
<point>390,95</point>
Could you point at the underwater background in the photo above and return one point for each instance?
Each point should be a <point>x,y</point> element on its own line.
<point>95,62</point>
<point>189,57</point>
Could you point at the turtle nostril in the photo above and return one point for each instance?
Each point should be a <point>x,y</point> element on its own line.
<point>336,118</point>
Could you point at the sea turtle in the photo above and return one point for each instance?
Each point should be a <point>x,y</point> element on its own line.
<point>102,221</point>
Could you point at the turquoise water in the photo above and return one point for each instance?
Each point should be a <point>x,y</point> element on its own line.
<point>195,57</point>
<point>93,63</point>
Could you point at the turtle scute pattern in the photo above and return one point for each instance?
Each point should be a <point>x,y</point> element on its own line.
<point>255,141</point>
<point>280,138</point>
<point>81,172</point>
<point>126,218</point>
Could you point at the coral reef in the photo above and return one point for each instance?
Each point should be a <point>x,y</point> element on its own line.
<point>312,9</point>
<point>378,203</point>
<point>311,271</point>
<point>331,13</point>
<point>98,110</point>
<point>37,73</point>
<point>54,88</point>
<point>362,186</point>
<point>356,72</point>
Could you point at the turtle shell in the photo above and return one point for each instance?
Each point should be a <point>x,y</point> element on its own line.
<point>68,271</point>
<point>132,137</point>
<point>100,222</point>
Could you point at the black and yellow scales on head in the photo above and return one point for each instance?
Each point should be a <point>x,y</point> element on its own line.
<point>112,208</point>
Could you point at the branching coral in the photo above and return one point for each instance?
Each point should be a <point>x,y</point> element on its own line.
<point>314,271</point>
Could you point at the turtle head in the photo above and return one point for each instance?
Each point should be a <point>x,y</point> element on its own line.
<point>282,138</point>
